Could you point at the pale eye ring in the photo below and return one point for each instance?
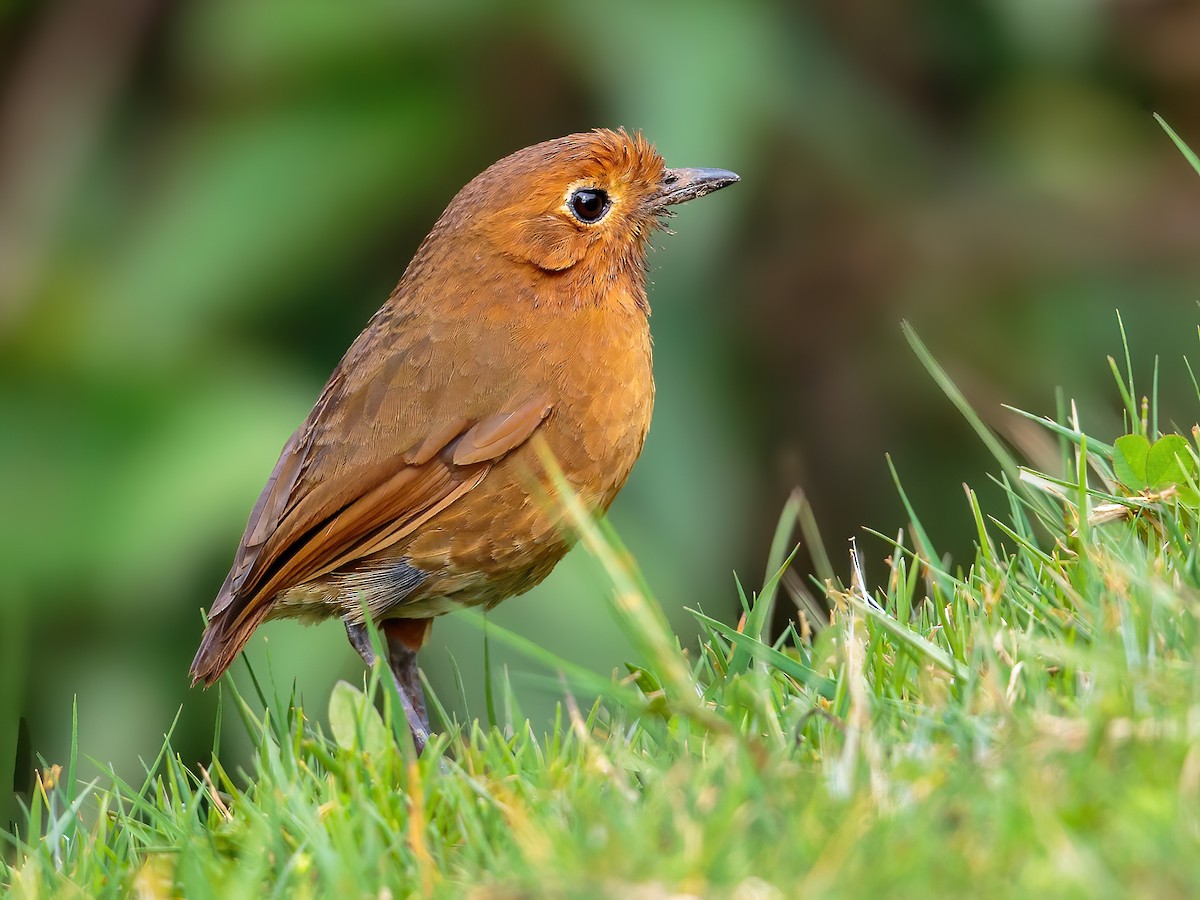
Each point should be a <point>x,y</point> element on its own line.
<point>589,205</point>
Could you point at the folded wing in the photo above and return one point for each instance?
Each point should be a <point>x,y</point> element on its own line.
<point>329,503</point>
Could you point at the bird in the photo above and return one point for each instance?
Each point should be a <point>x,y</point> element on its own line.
<point>417,483</point>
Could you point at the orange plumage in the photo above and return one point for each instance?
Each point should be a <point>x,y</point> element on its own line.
<point>410,486</point>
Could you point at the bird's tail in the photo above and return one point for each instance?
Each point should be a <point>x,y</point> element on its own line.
<point>224,637</point>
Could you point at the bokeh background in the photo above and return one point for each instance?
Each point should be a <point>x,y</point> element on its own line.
<point>201,203</point>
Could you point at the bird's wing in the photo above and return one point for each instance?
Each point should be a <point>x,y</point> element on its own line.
<point>330,501</point>
<point>321,510</point>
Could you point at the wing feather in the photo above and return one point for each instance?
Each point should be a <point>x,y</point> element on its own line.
<point>328,504</point>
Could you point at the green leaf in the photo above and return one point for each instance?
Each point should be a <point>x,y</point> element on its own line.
<point>1169,462</point>
<point>646,680</point>
<point>651,687</point>
<point>1129,461</point>
<point>1166,462</point>
<point>1187,496</point>
<point>355,722</point>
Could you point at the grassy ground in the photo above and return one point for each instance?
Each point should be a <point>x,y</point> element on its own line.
<point>1024,724</point>
<point>1027,723</point>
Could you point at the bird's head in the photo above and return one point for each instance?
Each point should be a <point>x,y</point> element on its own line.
<point>586,203</point>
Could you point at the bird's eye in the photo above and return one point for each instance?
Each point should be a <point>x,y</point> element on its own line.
<point>589,205</point>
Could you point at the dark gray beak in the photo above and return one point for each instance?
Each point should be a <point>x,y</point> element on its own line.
<point>681,185</point>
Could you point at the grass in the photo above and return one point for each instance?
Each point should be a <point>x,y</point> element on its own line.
<point>1025,724</point>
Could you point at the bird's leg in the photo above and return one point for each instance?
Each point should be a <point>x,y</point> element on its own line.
<point>404,638</point>
<point>402,660</point>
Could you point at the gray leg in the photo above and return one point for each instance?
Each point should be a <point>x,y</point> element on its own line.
<point>403,663</point>
<point>408,677</point>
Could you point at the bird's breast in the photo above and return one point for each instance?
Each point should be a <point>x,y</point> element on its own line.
<point>506,535</point>
<point>599,424</point>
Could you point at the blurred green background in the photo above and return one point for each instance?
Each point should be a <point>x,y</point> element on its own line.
<point>202,203</point>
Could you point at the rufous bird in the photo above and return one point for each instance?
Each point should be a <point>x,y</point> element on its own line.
<point>415,485</point>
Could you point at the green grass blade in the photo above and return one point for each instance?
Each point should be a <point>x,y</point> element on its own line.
<point>770,656</point>
<point>1183,148</point>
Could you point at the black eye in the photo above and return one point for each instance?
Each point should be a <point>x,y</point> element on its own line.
<point>589,204</point>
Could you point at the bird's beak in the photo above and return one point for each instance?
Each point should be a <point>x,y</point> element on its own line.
<point>681,185</point>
